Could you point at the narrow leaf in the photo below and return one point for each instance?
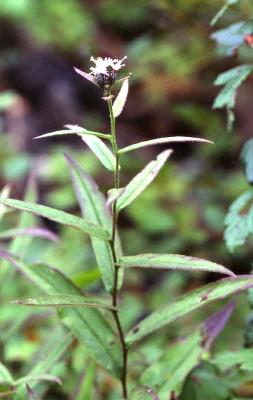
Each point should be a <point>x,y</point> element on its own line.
<point>120,100</point>
<point>222,11</point>
<point>58,216</point>
<point>101,151</point>
<point>73,130</point>
<point>172,261</point>
<point>92,204</point>
<point>34,232</point>
<point>168,373</point>
<point>64,300</point>
<point>188,303</point>
<point>142,180</point>
<point>89,77</point>
<point>82,131</point>
<point>56,133</point>
<point>88,324</point>
<point>87,385</point>
<point>169,139</point>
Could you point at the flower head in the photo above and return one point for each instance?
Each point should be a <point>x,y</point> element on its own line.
<point>106,65</point>
<point>104,72</point>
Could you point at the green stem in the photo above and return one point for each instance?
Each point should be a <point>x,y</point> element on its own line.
<point>113,248</point>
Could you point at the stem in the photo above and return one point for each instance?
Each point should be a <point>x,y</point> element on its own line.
<point>113,248</point>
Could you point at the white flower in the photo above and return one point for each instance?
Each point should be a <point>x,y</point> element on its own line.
<point>104,73</point>
<point>106,65</point>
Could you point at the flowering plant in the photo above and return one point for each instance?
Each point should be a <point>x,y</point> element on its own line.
<point>97,323</point>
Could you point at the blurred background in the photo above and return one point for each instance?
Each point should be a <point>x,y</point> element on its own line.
<point>174,63</point>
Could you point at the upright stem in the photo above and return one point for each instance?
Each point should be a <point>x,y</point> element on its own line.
<point>113,248</point>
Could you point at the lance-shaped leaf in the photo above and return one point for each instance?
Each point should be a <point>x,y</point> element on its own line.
<point>82,131</point>
<point>222,11</point>
<point>88,324</point>
<point>86,387</point>
<point>58,216</point>
<point>188,303</point>
<point>142,180</point>
<point>64,300</point>
<point>73,130</point>
<point>159,141</point>
<point>168,373</point>
<point>92,204</point>
<point>89,77</point>
<point>102,152</point>
<point>120,100</point>
<point>172,261</point>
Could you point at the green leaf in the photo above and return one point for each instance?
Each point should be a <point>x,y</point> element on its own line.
<point>232,79</point>
<point>58,216</point>
<point>159,141</point>
<point>88,324</point>
<point>172,261</point>
<point>168,373</point>
<point>242,359</point>
<point>247,157</point>
<point>73,130</point>
<point>142,180</point>
<point>102,152</point>
<point>82,131</point>
<point>120,100</point>
<point>92,204</point>
<point>5,375</point>
<point>56,133</point>
<point>188,303</point>
<point>175,364</point>
<point>64,300</point>
<point>87,386</point>
<point>205,384</point>
<point>222,11</point>
<point>239,221</point>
